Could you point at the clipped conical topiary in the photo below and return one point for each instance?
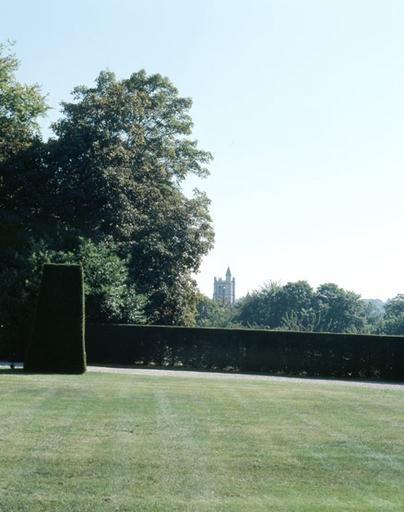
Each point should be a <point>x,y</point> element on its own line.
<point>57,343</point>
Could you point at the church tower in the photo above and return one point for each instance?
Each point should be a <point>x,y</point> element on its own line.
<point>224,290</point>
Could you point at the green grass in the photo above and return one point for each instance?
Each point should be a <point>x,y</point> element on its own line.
<point>103,442</point>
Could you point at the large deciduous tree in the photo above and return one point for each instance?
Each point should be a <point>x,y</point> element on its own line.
<point>122,150</point>
<point>107,187</point>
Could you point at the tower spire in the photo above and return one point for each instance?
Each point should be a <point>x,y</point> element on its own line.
<point>224,289</point>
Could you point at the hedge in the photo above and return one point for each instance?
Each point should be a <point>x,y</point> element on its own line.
<point>57,343</point>
<point>248,350</point>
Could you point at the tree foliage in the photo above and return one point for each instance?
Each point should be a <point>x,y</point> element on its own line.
<point>211,313</point>
<point>105,190</point>
<point>296,306</point>
<point>20,106</point>
<point>393,320</point>
<point>110,295</point>
<point>339,310</point>
<point>116,167</point>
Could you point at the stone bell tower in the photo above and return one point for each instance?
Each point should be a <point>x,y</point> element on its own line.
<point>224,290</point>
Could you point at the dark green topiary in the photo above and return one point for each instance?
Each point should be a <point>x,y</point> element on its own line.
<point>57,344</point>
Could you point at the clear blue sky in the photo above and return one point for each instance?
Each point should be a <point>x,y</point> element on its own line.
<point>300,102</point>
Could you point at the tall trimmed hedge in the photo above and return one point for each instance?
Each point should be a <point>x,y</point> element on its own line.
<point>248,350</point>
<point>57,343</point>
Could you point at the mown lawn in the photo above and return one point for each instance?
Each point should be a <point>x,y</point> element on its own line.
<point>104,442</point>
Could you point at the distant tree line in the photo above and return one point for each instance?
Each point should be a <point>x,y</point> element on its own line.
<point>297,306</point>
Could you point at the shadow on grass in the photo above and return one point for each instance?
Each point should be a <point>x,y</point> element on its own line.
<point>21,372</point>
<point>252,374</point>
<point>5,370</point>
<point>10,371</point>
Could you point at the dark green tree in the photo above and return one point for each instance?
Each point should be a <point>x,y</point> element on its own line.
<point>296,304</point>
<point>279,307</point>
<point>211,313</point>
<point>20,107</point>
<point>261,308</point>
<point>394,307</point>
<point>374,313</point>
<point>20,156</point>
<point>393,320</point>
<point>339,310</point>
